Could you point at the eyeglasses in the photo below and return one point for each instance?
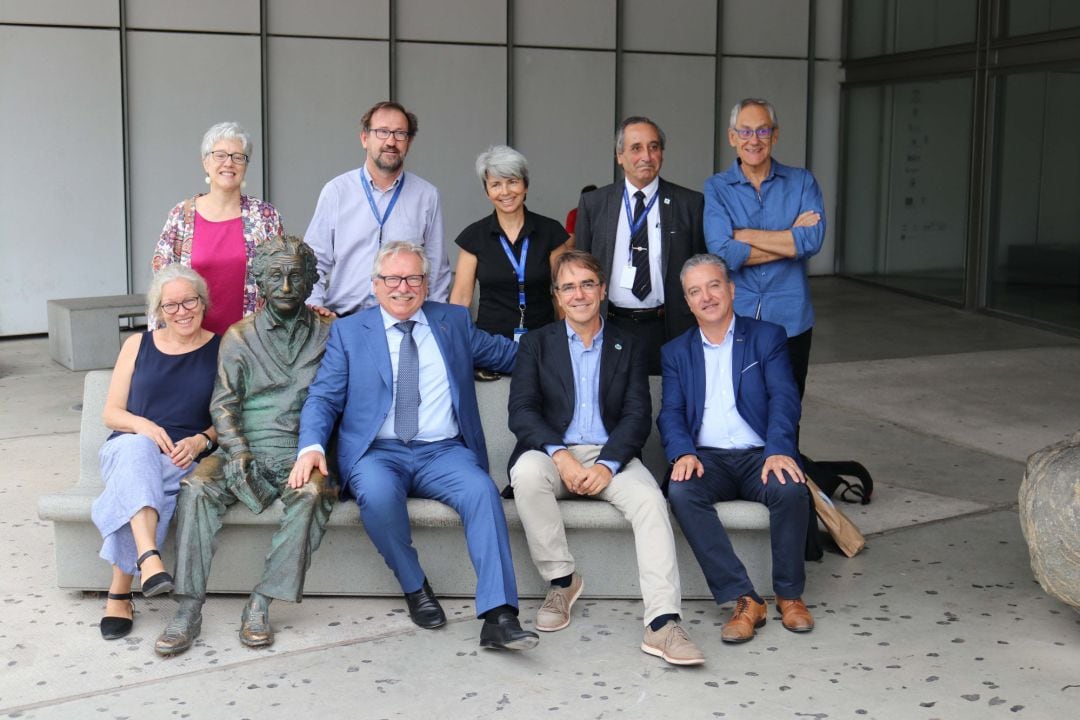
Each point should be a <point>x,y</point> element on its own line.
<point>586,286</point>
<point>763,133</point>
<point>399,135</point>
<point>221,156</point>
<point>171,308</point>
<point>392,281</point>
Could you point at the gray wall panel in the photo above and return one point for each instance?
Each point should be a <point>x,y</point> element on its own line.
<point>825,156</point>
<point>334,18</point>
<point>683,109</point>
<point>765,27</point>
<point>828,29</point>
<point>459,96</point>
<point>318,90</point>
<point>61,12</point>
<point>563,123</point>
<point>62,175</point>
<point>479,21</point>
<point>781,82</point>
<point>240,16</point>
<point>565,23</point>
<point>178,88</point>
<point>671,26</point>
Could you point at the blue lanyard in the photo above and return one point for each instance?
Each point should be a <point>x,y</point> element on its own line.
<point>519,268</point>
<point>636,226</point>
<point>371,200</point>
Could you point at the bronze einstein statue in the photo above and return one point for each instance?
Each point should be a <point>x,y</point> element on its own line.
<point>265,364</point>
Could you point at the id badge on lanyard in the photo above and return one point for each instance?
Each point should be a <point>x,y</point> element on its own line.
<point>629,273</point>
<point>519,270</point>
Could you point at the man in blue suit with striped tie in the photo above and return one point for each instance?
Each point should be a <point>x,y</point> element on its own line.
<point>399,379</point>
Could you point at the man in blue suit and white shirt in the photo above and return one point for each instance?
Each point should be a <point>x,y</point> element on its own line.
<point>399,378</point>
<point>727,421</point>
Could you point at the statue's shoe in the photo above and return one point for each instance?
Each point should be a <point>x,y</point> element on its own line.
<point>255,630</point>
<point>178,635</point>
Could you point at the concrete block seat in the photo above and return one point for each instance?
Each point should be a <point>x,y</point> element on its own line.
<point>348,564</point>
<point>84,333</point>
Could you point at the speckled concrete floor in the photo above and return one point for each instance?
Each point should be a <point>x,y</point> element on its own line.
<point>938,618</point>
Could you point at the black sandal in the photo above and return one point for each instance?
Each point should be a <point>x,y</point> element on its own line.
<point>157,584</point>
<point>114,628</point>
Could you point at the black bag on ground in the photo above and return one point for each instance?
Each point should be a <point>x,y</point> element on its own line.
<point>856,487</point>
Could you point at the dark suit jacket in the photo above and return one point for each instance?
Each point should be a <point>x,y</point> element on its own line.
<point>355,380</point>
<point>542,396</point>
<point>765,392</point>
<point>682,236</point>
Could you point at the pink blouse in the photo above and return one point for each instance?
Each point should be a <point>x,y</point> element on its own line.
<point>220,256</point>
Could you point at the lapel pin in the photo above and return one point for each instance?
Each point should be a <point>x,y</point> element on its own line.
<point>618,346</point>
<point>667,201</point>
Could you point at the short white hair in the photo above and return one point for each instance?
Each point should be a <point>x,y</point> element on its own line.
<point>225,131</point>
<point>399,246</point>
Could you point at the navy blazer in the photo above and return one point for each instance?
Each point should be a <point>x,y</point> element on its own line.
<point>355,381</point>
<point>542,398</point>
<point>681,237</point>
<point>765,392</point>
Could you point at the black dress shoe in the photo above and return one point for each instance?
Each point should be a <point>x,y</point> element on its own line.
<point>114,628</point>
<point>505,633</point>
<point>158,584</point>
<point>424,609</point>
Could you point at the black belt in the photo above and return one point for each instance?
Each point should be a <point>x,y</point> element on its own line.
<point>638,314</point>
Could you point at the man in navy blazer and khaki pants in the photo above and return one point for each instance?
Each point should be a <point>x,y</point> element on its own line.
<point>581,411</point>
<point>727,420</point>
<point>399,378</point>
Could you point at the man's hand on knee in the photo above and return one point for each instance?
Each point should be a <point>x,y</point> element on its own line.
<point>304,465</point>
<point>778,465</point>
<point>570,470</point>
<point>686,467</point>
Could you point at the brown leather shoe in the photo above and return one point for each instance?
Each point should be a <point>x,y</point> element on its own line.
<point>748,616</point>
<point>794,615</point>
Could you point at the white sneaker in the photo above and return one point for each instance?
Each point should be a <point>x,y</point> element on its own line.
<point>554,614</point>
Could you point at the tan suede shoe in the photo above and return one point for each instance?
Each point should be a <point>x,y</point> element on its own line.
<point>748,616</point>
<point>794,615</point>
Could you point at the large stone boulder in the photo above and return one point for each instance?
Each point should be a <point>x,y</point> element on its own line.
<point>1050,518</point>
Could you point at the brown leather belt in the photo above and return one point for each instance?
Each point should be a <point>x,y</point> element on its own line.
<point>638,314</point>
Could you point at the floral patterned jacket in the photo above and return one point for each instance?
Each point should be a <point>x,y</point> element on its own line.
<point>261,222</point>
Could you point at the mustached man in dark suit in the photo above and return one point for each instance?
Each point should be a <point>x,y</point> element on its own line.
<point>727,420</point>
<point>399,378</point>
<point>581,411</point>
<point>642,229</point>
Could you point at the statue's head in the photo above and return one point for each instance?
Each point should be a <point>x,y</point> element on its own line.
<point>285,271</point>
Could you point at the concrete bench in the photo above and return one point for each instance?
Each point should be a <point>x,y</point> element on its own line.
<point>348,564</point>
<point>84,333</point>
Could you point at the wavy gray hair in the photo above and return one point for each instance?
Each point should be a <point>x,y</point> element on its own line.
<point>399,246</point>
<point>225,131</point>
<point>704,259</point>
<point>752,101</point>
<point>165,275</point>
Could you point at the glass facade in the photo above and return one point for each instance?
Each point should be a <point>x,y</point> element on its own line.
<point>1034,258</point>
<point>961,167</point>
<point>906,190</point>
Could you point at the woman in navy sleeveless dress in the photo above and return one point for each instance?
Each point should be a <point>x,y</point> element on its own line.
<point>159,409</point>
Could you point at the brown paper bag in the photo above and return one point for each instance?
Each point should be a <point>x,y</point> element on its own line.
<point>843,531</point>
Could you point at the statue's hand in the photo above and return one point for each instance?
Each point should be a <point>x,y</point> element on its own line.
<point>240,469</point>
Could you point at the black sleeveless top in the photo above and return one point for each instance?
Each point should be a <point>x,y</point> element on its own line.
<point>173,390</point>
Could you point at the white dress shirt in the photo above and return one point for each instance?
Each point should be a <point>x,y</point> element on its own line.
<point>620,261</point>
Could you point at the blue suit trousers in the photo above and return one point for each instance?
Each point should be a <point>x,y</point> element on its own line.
<point>736,475</point>
<point>446,471</point>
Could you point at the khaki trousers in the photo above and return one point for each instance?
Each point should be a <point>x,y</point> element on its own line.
<point>537,487</point>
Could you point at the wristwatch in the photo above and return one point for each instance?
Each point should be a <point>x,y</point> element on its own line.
<point>209,442</point>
